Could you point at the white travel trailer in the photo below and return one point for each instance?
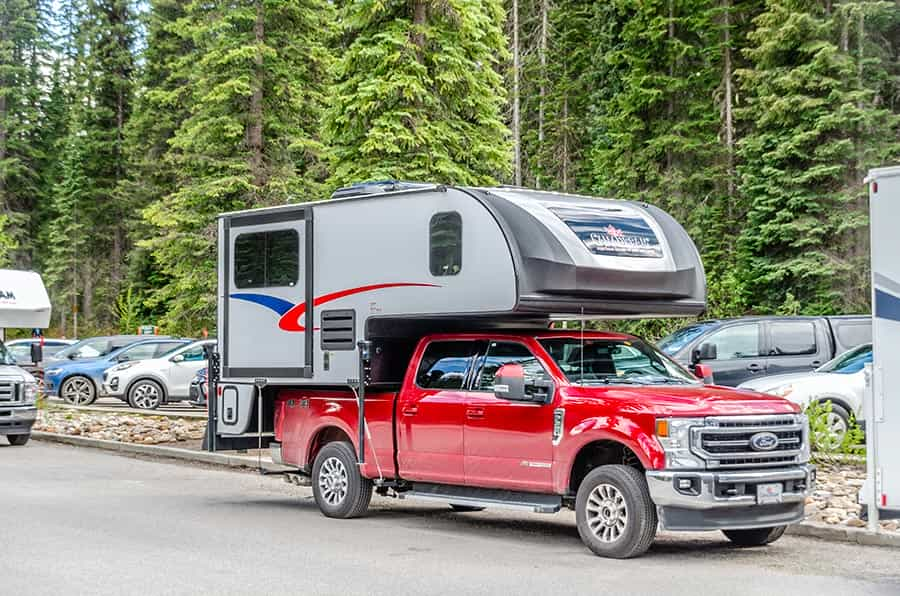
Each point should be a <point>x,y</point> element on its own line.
<point>23,304</point>
<point>301,285</point>
<point>882,490</point>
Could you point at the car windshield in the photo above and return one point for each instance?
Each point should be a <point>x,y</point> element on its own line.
<point>613,362</point>
<point>671,344</point>
<point>5,356</point>
<point>88,348</point>
<point>849,362</point>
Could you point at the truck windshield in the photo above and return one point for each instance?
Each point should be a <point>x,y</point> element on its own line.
<point>672,344</point>
<point>613,362</point>
<point>850,361</point>
<point>5,356</point>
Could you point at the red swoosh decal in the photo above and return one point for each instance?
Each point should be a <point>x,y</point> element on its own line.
<point>290,321</point>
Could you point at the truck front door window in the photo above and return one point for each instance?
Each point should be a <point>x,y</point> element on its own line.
<point>445,365</point>
<point>500,353</point>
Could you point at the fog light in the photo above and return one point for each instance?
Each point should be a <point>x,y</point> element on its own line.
<point>685,483</point>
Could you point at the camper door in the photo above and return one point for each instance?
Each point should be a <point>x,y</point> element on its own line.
<point>268,280</point>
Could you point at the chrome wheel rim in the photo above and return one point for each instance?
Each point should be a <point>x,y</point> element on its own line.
<point>333,481</point>
<point>146,396</point>
<point>78,391</point>
<point>607,513</point>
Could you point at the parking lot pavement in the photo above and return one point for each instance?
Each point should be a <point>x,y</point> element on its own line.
<point>79,521</point>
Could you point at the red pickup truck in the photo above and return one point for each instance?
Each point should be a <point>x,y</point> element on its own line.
<point>602,423</point>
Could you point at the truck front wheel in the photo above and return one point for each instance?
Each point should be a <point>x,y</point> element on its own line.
<point>338,487</point>
<point>616,517</point>
<point>18,440</point>
<point>756,537</point>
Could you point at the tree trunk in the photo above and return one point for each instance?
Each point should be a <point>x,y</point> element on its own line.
<point>565,147</point>
<point>516,124</point>
<point>255,127</point>
<point>545,9</point>
<point>87,300</point>
<point>729,110</point>
<point>420,13</point>
<point>670,106</point>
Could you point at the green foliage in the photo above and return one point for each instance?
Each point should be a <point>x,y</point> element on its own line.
<point>245,135</point>
<point>128,309</point>
<point>816,123</point>
<point>417,94</point>
<point>823,441</point>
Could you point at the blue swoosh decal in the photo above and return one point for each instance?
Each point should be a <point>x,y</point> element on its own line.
<point>271,302</point>
<point>887,306</point>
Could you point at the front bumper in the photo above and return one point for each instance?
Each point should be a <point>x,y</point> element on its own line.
<point>17,420</point>
<point>726,500</point>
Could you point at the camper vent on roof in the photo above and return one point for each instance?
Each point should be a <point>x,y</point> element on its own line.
<point>338,329</point>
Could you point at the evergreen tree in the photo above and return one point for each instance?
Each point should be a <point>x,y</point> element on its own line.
<point>816,126</point>
<point>250,136</point>
<point>22,55</point>
<point>417,92</point>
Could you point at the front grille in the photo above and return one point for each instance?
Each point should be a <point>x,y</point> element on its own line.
<point>726,441</point>
<point>10,392</point>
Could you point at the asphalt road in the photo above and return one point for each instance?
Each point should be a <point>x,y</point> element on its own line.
<point>80,521</point>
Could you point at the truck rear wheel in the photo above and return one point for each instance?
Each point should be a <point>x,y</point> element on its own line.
<point>755,537</point>
<point>18,440</point>
<point>338,487</point>
<point>616,517</point>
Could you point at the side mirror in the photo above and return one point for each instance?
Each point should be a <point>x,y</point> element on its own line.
<point>178,358</point>
<point>704,372</point>
<point>72,356</point>
<point>706,351</point>
<point>37,353</point>
<point>509,382</point>
<point>122,358</point>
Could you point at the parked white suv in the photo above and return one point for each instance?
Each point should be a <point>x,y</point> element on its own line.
<point>146,384</point>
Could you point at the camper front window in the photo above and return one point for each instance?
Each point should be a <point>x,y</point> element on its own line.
<point>267,259</point>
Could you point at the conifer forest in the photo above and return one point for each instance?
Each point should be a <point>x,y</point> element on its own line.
<point>126,126</point>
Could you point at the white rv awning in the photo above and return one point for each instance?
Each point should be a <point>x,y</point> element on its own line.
<point>23,300</point>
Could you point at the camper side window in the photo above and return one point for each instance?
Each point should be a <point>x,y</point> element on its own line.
<point>266,259</point>
<point>445,243</point>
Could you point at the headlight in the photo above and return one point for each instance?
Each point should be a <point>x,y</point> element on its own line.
<point>804,449</point>
<point>52,371</point>
<point>123,366</point>
<point>674,435</point>
<point>30,392</point>
<point>782,391</point>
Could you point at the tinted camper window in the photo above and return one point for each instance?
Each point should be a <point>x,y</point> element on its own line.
<point>266,259</point>
<point>445,243</point>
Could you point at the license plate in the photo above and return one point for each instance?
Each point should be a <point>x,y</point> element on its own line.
<point>769,493</point>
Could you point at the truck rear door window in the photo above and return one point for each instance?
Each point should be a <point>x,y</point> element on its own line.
<point>445,365</point>
<point>793,338</point>
<point>267,259</point>
<point>445,244</point>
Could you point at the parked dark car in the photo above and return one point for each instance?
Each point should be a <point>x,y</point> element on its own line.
<point>199,389</point>
<point>20,350</point>
<point>749,347</point>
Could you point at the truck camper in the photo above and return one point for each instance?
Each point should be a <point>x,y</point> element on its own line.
<point>397,339</point>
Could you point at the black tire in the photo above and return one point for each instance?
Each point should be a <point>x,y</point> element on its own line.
<point>618,538</point>
<point>78,390</point>
<point>145,394</point>
<point>18,440</point>
<point>755,537</point>
<point>338,488</point>
<point>465,508</point>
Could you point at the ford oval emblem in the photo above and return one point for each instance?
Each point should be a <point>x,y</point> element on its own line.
<point>764,441</point>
